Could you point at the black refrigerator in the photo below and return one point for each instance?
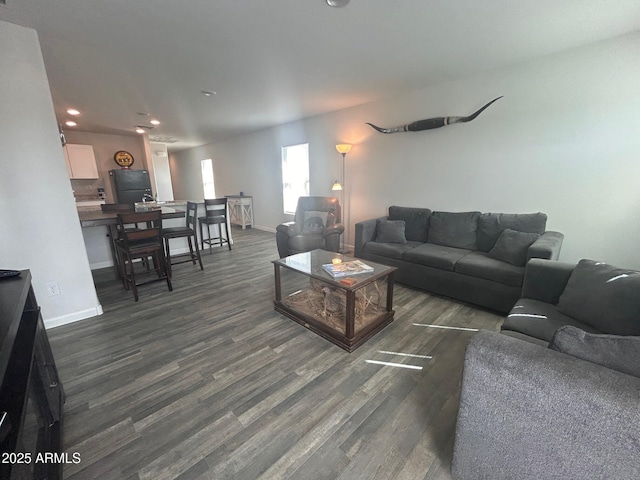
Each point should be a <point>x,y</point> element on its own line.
<point>130,185</point>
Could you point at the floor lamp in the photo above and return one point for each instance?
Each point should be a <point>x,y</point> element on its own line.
<point>342,148</point>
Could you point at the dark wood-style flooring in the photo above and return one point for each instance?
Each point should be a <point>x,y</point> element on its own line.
<point>209,382</point>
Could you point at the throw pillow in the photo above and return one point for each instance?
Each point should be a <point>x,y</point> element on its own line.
<point>603,296</point>
<point>454,229</point>
<point>512,247</point>
<point>491,225</point>
<point>416,221</point>
<point>618,352</point>
<point>314,222</point>
<point>390,231</point>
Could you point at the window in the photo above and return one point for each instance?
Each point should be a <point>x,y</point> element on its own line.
<point>207,178</point>
<point>295,175</point>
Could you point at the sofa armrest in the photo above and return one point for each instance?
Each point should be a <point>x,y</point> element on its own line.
<point>335,229</point>
<point>545,280</point>
<point>365,232</point>
<point>547,246</point>
<point>288,228</point>
<point>529,412</point>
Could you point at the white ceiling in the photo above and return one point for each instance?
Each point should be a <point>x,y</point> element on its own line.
<point>275,61</point>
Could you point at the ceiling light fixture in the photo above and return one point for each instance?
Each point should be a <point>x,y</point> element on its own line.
<point>70,123</point>
<point>337,3</point>
<point>207,93</point>
<point>73,111</point>
<point>140,130</point>
<point>154,122</point>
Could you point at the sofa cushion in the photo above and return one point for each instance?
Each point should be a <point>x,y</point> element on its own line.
<point>416,221</point>
<point>512,247</point>
<point>454,229</point>
<point>436,256</point>
<point>540,320</point>
<point>491,225</point>
<point>390,231</point>
<point>390,250</point>
<point>618,352</point>
<point>603,296</point>
<point>314,222</point>
<point>478,264</point>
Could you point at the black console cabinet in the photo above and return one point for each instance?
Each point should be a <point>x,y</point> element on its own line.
<point>31,395</point>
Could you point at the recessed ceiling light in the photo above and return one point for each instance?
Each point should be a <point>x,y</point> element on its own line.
<point>337,3</point>
<point>140,130</point>
<point>207,93</point>
<point>70,123</point>
<point>154,122</point>
<point>73,111</point>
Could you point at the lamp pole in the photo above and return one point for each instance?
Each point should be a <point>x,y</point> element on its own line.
<point>343,149</point>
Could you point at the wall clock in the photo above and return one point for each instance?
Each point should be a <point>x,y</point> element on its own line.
<point>123,159</point>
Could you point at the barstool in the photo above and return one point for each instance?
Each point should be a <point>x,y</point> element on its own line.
<point>189,230</point>
<point>216,214</point>
<point>141,243</point>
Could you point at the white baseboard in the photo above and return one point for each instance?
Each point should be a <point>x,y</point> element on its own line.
<point>99,265</point>
<point>73,317</point>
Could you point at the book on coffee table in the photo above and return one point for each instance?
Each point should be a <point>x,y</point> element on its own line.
<point>345,269</point>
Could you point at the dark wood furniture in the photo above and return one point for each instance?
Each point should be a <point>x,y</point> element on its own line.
<point>109,218</point>
<point>31,394</point>
<point>216,214</point>
<point>142,242</point>
<point>345,314</point>
<point>189,231</point>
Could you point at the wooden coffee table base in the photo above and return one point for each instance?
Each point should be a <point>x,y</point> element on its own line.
<point>347,315</point>
<point>349,344</point>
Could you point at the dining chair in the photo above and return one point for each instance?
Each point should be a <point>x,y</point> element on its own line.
<point>216,214</point>
<point>188,231</point>
<point>143,242</point>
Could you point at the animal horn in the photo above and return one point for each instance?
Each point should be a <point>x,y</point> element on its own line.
<point>431,123</point>
<point>473,115</point>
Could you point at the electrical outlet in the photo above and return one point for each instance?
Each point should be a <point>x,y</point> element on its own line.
<point>53,289</point>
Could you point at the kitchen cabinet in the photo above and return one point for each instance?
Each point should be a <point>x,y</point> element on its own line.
<point>81,161</point>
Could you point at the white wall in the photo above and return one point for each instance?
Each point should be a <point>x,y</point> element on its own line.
<point>564,140</point>
<point>160,160</point>
<point>39,227</point>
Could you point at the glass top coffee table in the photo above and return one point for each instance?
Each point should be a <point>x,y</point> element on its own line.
<point>345,310</point>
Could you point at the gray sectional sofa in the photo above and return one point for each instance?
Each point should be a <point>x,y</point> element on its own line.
<point>471,256</point>
<point>568,407</point>
<point>592,296</point>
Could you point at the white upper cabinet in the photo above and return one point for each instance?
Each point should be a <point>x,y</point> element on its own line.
<point>81,161</point>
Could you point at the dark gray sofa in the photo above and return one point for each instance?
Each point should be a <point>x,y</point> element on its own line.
<point>592,296</point>
<point>528,411</point>
<point>451,253</point>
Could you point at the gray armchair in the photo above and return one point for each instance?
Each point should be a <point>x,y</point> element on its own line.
<point>316,224</point>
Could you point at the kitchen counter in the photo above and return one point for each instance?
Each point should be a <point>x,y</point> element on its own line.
<point>99,228</point>
<point>90,217</point>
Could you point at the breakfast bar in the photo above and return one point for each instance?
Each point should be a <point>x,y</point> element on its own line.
<point>100,245</point>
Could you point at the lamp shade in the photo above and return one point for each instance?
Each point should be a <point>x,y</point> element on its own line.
<point>336,186</point>
<point>343,148</point>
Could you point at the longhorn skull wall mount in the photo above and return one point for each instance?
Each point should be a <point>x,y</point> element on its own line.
<point>431,123</point>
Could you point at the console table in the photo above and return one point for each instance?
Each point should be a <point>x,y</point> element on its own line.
<point>240,210</point>
<point>31,395</point>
